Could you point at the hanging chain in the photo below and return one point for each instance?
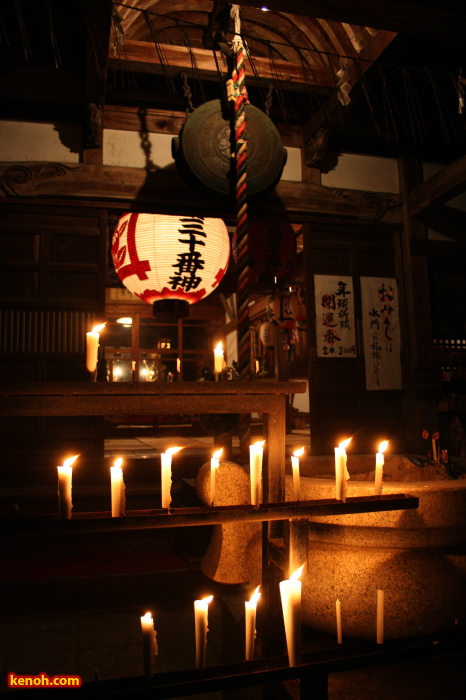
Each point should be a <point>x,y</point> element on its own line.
<point>268,101</point>
<point>187,93</point>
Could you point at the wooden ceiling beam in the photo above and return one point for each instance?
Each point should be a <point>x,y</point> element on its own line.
<point>439,188</point>
<point>141,56</point>
<point>429,18</point>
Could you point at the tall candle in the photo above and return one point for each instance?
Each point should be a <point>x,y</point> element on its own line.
<point>218,360</point>
<point>117,489</point>
<point>166,473</point>
<point>256,452</point>
<point>341,472</point>
<point>65,475</point>
<point>92,347</point>
<point>295,469</point>
<point>214,464</point>
<point>201,619</point>
<point>380,616</point>
<point>149,644</point>
<point>339,629</point>
<point>290,593</point>
<point>379,462</point>
<point>250,623</point>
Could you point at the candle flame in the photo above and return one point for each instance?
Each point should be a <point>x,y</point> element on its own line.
<point>255,596</point>
<point>383,446</point>
<point>68,462</point>
<point>147,617</point>
<point>173,450</point>
<point>207,600</point>
<point>345,443</point>
<point>219,346</point>
<point>217,454</point>
<point>298,453</point>
<point>97,329</point>
<point>258,445</point>
<point>296,574</point>
<point>118,462</point>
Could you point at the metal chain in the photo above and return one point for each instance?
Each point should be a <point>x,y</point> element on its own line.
<point>187,93</point>
<point>268,101</point>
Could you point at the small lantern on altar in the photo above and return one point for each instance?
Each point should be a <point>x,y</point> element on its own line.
<point>170,261</point>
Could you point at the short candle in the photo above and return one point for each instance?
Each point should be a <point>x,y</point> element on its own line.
<point>290,593</point>
<point>379,462</point>
<point>65,475</point>
<point>117,489</point>
<point>256,452</point>
<point>341,472</point>
<point>250,623</point>
<point>201,619</point>
<point>218,359</point>
<point>166,474</point>
<point>295,469</point>
<point>214,464</point>
<point>92,346</point>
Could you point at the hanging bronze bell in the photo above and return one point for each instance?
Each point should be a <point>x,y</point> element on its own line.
<point>202,152</point>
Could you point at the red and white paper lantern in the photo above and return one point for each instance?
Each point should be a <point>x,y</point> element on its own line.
<point>159,257</point>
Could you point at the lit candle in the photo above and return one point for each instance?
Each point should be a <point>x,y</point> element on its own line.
<point>218,358</point>
<point>257,367</point>
<point>92,347</point>
<point>166,466</point>
<point>290,593</point>
<point>256,452</point>
<point>178,365</point>
<point>201,615</point>
<point>149,644</point>
<point>214,464</point>
<point>117,489</point>
<point>250,623</point>
<point>379,461</point>
<point>65,474</point>
<point>341,472</point>
<point>339,630</point>
<point>295,468</point>
<point>380,615</point>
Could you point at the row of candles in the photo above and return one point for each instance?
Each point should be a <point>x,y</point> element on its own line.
<point>92,348</point>
<point>255,465</point>
<point>290,595</point>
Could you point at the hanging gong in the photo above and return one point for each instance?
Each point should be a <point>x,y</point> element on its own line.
<point>202,151</point>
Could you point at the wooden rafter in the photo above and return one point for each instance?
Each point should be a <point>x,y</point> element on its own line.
<point>439,188</point>
<point>142,57</point>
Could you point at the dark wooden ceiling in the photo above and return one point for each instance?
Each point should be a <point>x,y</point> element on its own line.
<point>404,60</point>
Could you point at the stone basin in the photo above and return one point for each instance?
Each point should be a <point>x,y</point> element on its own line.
<point>417,556</point>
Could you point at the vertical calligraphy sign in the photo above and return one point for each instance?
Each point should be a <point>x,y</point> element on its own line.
<point>335,333</point>
<point>381,330</point>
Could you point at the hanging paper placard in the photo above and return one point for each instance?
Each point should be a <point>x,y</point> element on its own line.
<point>335,331</point>
<point>381,330</point>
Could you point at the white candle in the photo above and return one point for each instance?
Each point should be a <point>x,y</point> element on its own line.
<point>295,469</point>
<point>178,365</point>
<point>250,623</point>
<point>149,644</point>
<point>257,367</point>
<point>201,618</point>
<point>166,474</point>
<point>380,616</point>
<point>65,474</point>
<point>92,346</point>
<point>379,462</point>
<point>256,452</point>
<point>341,472</point>
<point>214,464</point>
<point>339,629</point>
<point>218,359</point>
<point>290,593</point>
<point>117,489</point>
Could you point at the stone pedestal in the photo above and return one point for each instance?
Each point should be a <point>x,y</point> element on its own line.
<point>417,556</point>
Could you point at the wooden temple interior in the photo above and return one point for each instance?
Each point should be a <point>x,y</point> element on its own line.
<point>369,101</point>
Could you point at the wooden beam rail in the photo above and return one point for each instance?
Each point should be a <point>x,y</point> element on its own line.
<point>197,516</point>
